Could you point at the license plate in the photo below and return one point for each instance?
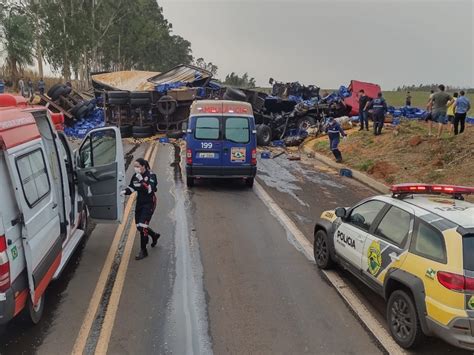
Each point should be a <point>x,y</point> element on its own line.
<point>207,155</point>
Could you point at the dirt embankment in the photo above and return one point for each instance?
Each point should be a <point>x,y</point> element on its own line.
<point>407,154</point>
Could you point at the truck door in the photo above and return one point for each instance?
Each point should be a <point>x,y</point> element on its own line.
<point>237,142</point>
<point>39,218</point>
<point>101,174</point>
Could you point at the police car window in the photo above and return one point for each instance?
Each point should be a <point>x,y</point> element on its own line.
<point>429,243</point>
<point>99,149</point>
<point>34,177</point>
<point>364,215</point>
<point>237,129</point>
<point>394,226</point>
<point>468,251</point>
<point>207,128</point>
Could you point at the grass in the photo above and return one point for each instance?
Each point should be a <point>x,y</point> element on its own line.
<point>365,165</point>
<point>418,98</point>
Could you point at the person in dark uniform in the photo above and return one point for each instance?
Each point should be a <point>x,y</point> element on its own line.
<point>144,183</point>
<point>379,107</point>
<point>335,131</point>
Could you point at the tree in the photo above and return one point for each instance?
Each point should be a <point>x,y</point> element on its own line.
<point>245,82</point>
<point>17,39</point>
<point>201,63</point>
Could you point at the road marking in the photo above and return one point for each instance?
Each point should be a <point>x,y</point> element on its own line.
<point>351,299</point>
<point>81,339</point>
<point>112,307</point>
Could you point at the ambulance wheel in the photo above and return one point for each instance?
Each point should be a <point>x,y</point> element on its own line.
<point>264,135</point>
<point>36,312</point>
<point>322,255</point>
<point>249,182</point>
<point>189,181</point>
<point>403,321</point>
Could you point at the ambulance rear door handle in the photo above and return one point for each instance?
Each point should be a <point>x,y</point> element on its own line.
<point>394,256</point>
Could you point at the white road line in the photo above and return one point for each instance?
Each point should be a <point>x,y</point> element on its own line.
<point>354,302</point>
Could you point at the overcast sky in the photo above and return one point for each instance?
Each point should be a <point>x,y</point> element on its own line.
<point>330,42</point>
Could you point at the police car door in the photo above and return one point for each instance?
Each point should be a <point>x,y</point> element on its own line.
<point>101,174</point>
<point>350,236</point>
<point>386,243</point>
<point>39,216</point>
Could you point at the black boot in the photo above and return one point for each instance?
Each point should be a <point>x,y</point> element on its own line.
<point>142,254</point>
<point>154,238</point>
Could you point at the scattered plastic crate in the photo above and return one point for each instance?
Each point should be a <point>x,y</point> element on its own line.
<point>345,172</point>
<point>265,155</point>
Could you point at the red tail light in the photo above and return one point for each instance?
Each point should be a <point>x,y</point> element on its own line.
<point>4,266</point>
<point>254,157</point>
<point>189,156</point>
<point>455,282</point>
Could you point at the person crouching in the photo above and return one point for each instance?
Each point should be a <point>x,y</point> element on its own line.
<point>144,183</point>
<point>335,131</point>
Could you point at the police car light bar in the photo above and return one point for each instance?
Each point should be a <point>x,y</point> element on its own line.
<point>431,189</point>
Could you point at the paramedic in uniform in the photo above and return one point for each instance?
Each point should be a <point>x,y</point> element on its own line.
<point>144,183</point>
<point>379,106</point>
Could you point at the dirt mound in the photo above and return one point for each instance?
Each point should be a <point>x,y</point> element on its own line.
<point>408,154</point>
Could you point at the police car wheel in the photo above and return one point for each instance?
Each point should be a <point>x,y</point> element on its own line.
<point>35,312</point>
<point>403,320</point>
<point>322,256</point>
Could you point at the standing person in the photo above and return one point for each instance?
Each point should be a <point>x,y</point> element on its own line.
<point>408,99</point>
<point>429,116</point>
<point>30,89</point>
<point>335,131</point>
<point>363,114</point>
<point>379,105</point>
<point>41,86</point>
<point>450,112</point>
<point>461,108</point>
<point>21,86</point>
<point>143,182</point>
<point>438,106</point>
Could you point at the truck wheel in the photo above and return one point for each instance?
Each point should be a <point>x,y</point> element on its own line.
<point>322,255</point>
<point>36,312</point>
<point>264,135</point>
<point>234,95</point>
<point>306,122</point>
<point>175,134</point>
<point>62,90</point>
<point>53,89</point>
<point>249,182</point>
<point>402,319</point>
<point>189,181</point>
<point>126,131</point>
<point>167,105</point>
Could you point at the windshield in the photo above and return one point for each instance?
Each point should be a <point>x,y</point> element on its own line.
<point>237,129</point>
<point>468,252</point>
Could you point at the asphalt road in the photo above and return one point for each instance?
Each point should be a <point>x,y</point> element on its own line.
<point>225,276</point>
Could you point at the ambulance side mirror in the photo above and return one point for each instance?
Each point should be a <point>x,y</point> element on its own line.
<point>340,212</point>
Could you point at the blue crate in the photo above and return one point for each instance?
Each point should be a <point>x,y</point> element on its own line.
<point>345,172</point>
<point>164,140</point>
<point>265,155</point>
<point>278,143</point>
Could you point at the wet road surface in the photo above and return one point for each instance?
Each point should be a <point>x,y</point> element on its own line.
<point>224,277</point>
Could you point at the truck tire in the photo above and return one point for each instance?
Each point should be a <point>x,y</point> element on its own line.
<point>234,95</point>
<point>322,255</point>
<point>175,134</point>
<point>264,135</point>
<point>140,102</point>
<point>126,131</point>
<point>118,98</point>
<point>140,95</point>
<point>166,105</point>
<point>306,122</point>
<point>62,90</point>
<point>403,321</point>
<point>142,131</point>
<point>81,111</point>
<point>53,88</point>
<point>35,312</point>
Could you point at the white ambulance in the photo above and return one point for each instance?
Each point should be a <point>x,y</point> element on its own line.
<point>48,191</point>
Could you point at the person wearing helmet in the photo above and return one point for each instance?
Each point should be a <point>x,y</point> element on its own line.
<point>334,132</point>
<point>144,183</point>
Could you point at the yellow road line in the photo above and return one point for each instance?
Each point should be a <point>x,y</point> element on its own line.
<point>81,339</point>
<point>112,307</point>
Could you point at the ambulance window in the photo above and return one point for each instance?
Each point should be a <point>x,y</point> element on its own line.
<point>34,177</point>
<point>207,128</point>
<point>99,149</point>
<point>429,243</point>
<point>364,215</point>
<point>237,129</point>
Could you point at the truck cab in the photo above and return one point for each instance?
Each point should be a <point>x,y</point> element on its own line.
<point>49,191</point>
<point>221,141</point>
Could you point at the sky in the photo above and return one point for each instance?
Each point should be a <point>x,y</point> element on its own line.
<point>330,42</point>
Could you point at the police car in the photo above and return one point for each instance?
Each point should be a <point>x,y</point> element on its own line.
<point>416,249</point>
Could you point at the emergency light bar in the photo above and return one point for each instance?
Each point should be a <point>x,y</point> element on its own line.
<point>431,189</point>
<point>233,108</point>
